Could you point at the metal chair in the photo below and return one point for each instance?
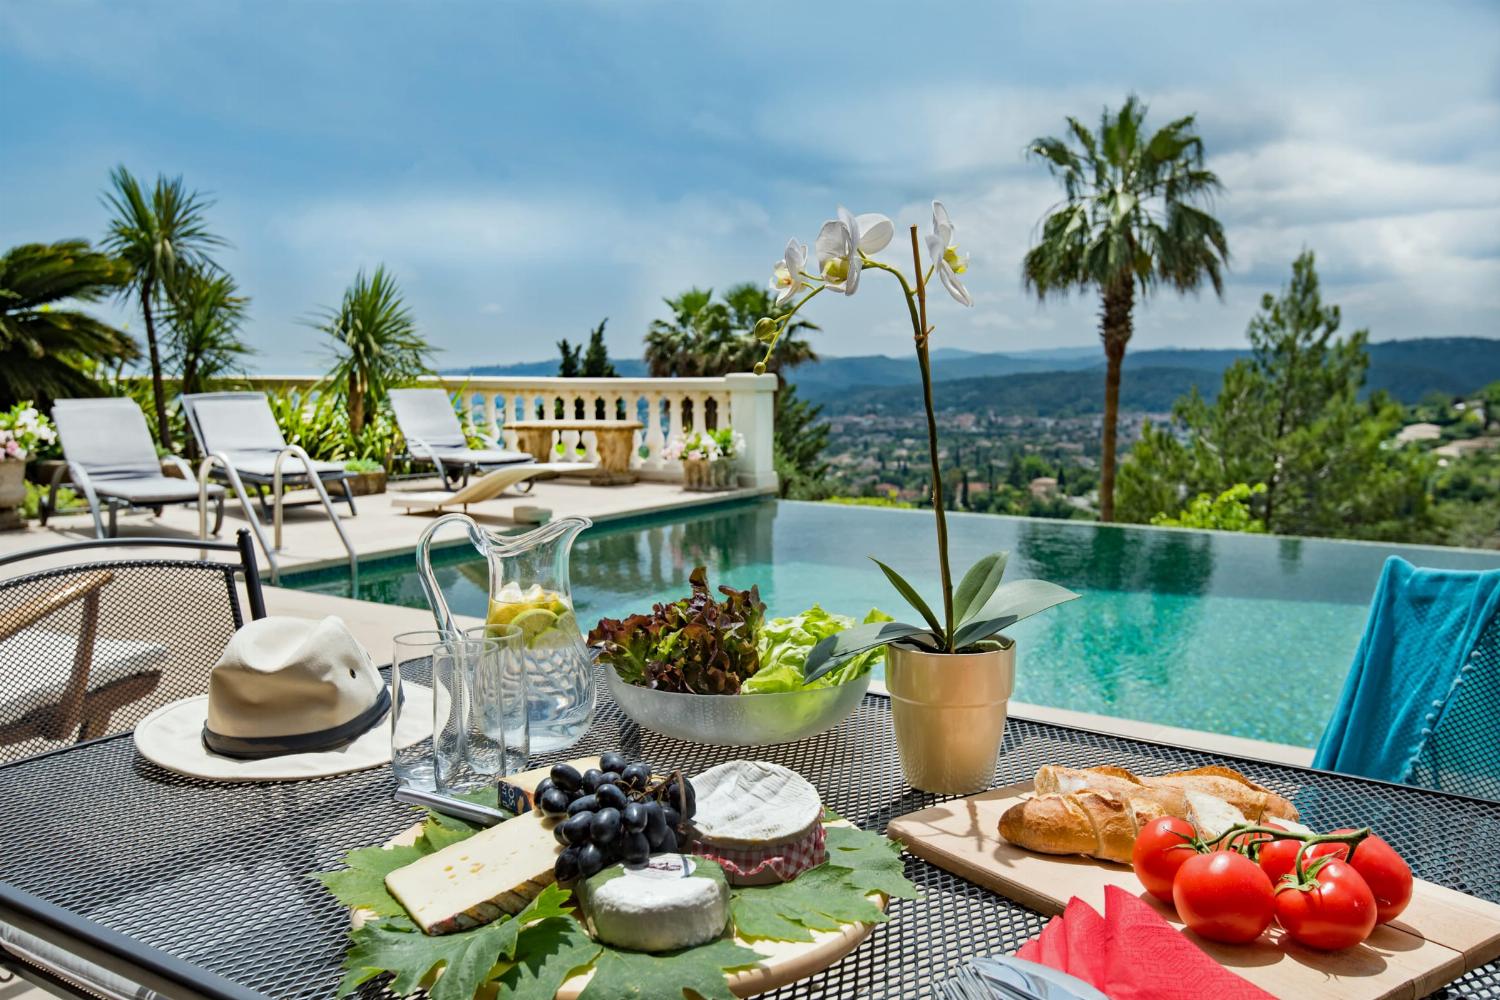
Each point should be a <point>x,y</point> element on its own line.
<point>112,458</point>
<point>1421,702</point>
<point>87,650</point>
<point>433,434</point>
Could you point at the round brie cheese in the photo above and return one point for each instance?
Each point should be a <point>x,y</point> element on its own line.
<point>675,901</point>
<point>754,803</point>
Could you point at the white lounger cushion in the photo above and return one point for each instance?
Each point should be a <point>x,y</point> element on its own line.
<point>39,665</point>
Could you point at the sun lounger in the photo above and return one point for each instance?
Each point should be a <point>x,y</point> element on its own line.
<point>486,487</point>
<point>112,460</point>
<point>433,434</point>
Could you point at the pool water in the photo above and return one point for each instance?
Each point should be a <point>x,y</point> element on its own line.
<point>1238,634</point>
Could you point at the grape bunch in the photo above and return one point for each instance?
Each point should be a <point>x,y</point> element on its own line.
<point>615,812</point>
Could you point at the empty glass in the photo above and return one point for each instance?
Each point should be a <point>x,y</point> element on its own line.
<point>411,655</point>
<point>479,729</point>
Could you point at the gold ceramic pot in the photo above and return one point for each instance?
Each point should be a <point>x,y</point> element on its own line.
<point>949,712</point>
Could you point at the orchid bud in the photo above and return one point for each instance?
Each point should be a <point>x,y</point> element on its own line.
<point>760,367</point>
<point>765,330</point>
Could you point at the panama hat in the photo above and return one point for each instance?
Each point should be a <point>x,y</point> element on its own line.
<point>289,699</point>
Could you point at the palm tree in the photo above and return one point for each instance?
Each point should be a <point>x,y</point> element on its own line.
<point>705,337</point>
<point>376,344</point>
<point>205,319</point>
<point>158,237</point>
<point>45,350</point>
<point>1131,216</point>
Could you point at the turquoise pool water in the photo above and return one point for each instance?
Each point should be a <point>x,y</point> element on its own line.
<point>1237,634</point>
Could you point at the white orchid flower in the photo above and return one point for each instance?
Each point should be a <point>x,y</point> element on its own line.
<point>840,243</point>
<point>944,255</point>
<point>786,276</point>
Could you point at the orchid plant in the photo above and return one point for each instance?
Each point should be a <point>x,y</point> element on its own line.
<point>975,612</point>
<point>22,430</point>
<point>710,446</point>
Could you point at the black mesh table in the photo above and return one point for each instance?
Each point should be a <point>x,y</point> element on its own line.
<point>209,882</point>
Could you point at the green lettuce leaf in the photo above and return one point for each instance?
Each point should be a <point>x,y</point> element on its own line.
<point>784,645</point>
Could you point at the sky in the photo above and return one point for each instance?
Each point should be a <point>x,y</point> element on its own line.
<point>527,169</point>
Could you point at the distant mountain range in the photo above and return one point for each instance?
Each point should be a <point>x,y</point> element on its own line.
<point>1069,381</point>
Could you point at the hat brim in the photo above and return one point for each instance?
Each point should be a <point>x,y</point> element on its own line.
<point>172,737</point>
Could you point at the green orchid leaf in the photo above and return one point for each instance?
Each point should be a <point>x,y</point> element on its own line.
<point>977,585</point>
<point>630,975</point>
<point>1019,600</point>
<point>909,593</point>
<point>832,651</point>
<point>981,628</point>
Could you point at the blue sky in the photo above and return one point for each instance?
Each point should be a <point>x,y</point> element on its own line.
<point>527,169</point>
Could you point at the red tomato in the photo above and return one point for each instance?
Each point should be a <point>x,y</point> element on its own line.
<point>1339,912</point>
<point>1223,897</point>
<point>1278,858</point>
<point>1387,875</point>
<point>1255,840</point>
<point>1160,849</point>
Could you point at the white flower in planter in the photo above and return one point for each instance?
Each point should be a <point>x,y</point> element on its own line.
<point>944,254</point>
<point>786,276</point>
<point>840,243</point>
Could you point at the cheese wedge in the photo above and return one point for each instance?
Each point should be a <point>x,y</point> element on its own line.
<point>497,871</point>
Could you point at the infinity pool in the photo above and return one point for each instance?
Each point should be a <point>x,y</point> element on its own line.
<point>1237,634</point>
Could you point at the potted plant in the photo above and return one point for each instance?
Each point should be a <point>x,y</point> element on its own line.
<point>368,476</point>
<point>950,677</point>
<point>22,431</point>
<point>708,458</point>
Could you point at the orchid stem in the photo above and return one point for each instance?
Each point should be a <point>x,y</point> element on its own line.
<point>924,362</point>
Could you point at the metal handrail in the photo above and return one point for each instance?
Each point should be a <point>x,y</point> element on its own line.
<point>296,451</point>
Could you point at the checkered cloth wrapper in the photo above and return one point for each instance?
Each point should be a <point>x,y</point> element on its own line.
<point>787,861</point>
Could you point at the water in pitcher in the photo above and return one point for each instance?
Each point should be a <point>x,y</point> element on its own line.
<point>560,696</point>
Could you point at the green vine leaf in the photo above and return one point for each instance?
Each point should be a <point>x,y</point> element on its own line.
<point>546,956</point>
<point>872,862</point>
<point>362,884</point>
<point>630,975</point>
<point>823,899</point>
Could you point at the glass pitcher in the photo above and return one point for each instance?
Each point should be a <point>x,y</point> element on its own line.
<point>529,590</point>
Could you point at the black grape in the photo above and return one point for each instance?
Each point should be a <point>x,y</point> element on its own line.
<point>613,761</point>
<point>575,829</point>
<point>636,777</point>
<point>566,777</point>
<point>635,817</point>
<point>635,849</point>
<point>592,778</point>
<point>554,802</point>
<point>559,835</point>
<point>668,843</point>
<point>541,788</point>
<point>584,803</point>
<point>611,795</point>
<point>656,824</point>
<point>610,778</point>
<point>566,868</point>
<point>590,860</point>
<point>605,825</point>
<point>672,816</point>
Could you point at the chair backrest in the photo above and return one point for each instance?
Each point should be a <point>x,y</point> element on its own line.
<point>233,422</point>
<point>107,437</point>
<point>146,630</point>
<point>1421,699</point>
<point>428,414</point>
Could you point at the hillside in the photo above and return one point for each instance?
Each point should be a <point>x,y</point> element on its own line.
<point>1032,394</point>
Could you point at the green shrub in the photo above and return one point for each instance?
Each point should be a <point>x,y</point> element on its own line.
<point>1229,511</point>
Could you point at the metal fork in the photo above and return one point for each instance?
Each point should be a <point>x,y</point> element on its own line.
<point>965,984</point>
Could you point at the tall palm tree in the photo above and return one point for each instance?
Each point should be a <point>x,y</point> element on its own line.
<point>45,351</point>
<point>1132,216</point>
<point>206,313</point>
<point>376,345</point>
<point>705,337</point>
<point>158,236</point>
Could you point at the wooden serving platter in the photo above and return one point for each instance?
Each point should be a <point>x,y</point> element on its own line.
<point>785,961</point>
<point>1439,937</point>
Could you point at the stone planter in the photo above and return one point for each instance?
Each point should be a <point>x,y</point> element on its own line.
<point>949,712</point>
<point>701,475</point>
<point>41,470</point>
<point>365,484</point>
<point>12,493</point>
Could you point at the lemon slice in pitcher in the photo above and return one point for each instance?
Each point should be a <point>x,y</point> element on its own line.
<point>533,623</point>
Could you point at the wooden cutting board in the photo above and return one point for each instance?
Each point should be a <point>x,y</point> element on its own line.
<point>1439,937</point>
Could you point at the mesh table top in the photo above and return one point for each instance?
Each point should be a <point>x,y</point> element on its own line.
<point>216,875</point>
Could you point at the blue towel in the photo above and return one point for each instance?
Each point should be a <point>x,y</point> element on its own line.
<point>1423,625</point>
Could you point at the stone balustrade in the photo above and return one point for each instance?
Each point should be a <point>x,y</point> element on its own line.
<point>666,407</point>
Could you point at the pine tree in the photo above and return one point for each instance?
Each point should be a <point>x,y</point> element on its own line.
<point>569,368</point>
<point>596,363</point>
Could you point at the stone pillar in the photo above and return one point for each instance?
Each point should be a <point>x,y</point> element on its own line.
<point>752,412</point>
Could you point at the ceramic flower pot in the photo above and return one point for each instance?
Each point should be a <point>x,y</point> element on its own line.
<point>949,712</point>
<point>12,492</point>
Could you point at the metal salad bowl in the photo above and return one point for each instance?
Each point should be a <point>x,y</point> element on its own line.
<point>738,720</point>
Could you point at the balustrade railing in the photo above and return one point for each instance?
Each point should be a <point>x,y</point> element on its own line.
<point>665,408</point>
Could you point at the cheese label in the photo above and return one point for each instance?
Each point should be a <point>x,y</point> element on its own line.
<point>664,866</point>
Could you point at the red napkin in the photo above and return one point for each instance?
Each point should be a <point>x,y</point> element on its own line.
<point>1131,953</point>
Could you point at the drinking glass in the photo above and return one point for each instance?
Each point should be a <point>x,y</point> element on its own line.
<point>475,741</point>
<point>412,654</point>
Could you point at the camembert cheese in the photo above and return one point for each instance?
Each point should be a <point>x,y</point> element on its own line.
<point>497,871</point>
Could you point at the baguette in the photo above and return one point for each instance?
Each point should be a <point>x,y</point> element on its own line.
<point>1088,822</point>
<point>1170,790</point>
